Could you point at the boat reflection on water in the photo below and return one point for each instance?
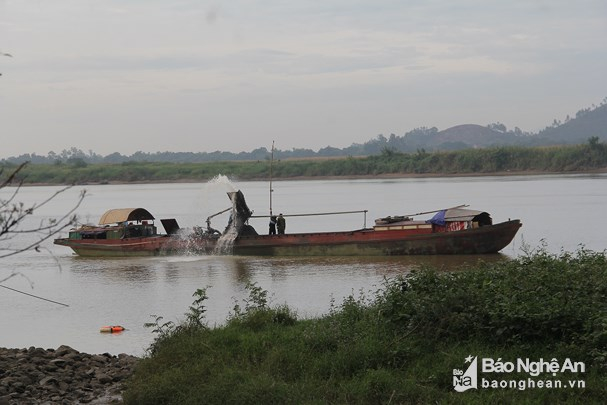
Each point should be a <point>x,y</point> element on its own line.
<point>117,269</point>
<point>241,269</point>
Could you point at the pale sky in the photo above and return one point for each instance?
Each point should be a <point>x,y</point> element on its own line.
<point>185,75</point>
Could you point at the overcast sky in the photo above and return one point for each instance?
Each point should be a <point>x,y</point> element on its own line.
<point>185,75</point>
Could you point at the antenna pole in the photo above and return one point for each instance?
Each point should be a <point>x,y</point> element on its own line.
<point>271,190</point>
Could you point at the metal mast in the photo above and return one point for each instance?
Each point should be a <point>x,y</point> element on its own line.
<point>271,162</point>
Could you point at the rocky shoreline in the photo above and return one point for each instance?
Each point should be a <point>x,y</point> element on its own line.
<point>62,376</point>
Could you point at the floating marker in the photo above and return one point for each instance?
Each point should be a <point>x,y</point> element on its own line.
<point>111,329</point>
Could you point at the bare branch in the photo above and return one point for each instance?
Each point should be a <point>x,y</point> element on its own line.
<point>12,215</point>
<point>11,177</point>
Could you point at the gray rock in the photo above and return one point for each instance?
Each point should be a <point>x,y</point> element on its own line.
<point>99,358</point>
<point>63,386</point>
<point>61,376</point>
<point>104,379</point>
<point>50,380</point>
<point>58,362</point>
<point>63,350</point>
<point>73,356</point>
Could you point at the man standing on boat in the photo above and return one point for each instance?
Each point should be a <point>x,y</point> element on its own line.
<point>281,224</point>
<point>273,225</point>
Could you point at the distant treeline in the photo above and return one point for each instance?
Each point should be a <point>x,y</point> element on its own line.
<point>77,156</point>
<point>589,122</point>
<point>589,156</point>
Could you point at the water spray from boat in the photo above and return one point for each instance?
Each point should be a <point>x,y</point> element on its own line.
<point>226,239</point>
<point>189,239</point>
<point>219,181</point>
<point>237,225</point>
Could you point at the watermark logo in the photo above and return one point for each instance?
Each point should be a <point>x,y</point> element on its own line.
<point>529,374</point>
<point>464,380</point>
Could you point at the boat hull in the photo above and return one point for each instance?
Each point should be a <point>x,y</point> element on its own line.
<point>142,246</point>
<point>366,242</point>
<point>487,239</point>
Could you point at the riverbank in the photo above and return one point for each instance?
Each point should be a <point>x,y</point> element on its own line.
<point>409,342</point>
<point>386,176</point>
<point>62,376</point>
<point>401,343</point>
<point>469,162</point>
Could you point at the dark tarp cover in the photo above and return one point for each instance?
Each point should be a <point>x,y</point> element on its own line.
<point>438,218</point>
<point>459,215</point>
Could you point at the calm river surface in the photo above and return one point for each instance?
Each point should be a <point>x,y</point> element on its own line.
<point>563,212</point>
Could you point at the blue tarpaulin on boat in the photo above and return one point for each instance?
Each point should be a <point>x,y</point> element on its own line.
<point>438,218</point>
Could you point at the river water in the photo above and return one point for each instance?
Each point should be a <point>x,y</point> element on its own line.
<point>560,212</point>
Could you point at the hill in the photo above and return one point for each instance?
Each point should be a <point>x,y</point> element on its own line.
<point>462,137</point>
<point>587,123</point>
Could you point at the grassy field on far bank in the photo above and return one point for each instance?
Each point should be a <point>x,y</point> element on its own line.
<point>587,157</point>
<point>400,344</point>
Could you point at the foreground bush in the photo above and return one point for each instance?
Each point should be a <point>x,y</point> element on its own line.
<point>539,298</point>
<point>399,345</point>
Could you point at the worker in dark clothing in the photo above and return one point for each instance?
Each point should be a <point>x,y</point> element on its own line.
<point>281,224</point>
<point>273,225</point>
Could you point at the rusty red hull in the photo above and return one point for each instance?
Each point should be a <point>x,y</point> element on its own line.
<point>140,246</point>
<point>487,239</point>
<point>366,242</point>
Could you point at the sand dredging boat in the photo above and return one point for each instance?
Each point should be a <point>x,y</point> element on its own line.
<point>133,232</point>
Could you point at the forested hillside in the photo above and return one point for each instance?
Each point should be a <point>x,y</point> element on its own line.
<point>587,123</point>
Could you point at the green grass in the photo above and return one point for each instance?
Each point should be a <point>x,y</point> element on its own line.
<point>397,345</point>
<point>590,156</point>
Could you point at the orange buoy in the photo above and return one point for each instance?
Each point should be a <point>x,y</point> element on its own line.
<point>111,329</point>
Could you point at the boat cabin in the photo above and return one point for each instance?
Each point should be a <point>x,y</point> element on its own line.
<point>452,219</point>
<point>458,219</point>
<point>123,223</point>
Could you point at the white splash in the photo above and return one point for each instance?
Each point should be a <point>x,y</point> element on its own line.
<point>212,196</point>
<point>222,181</point>
<point>191,241</point>
<point>225,243</point>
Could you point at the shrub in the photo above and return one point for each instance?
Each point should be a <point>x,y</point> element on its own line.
<point>256,313</point>
<point>397,346</point>
<point>555,299</point>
